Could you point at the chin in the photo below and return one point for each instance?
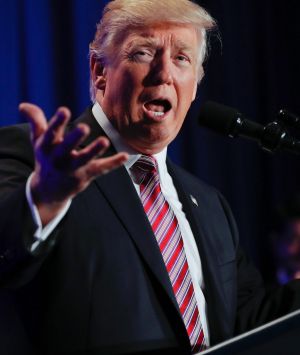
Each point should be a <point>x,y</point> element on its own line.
<point>150,140</point>
<point>152,147</point>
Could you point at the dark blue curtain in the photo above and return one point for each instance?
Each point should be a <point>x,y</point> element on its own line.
<point>44,54</point>
<point>44,60</point>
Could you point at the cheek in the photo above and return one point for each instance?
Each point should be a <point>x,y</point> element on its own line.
<point>119,91</point>
<point>187,87</point>
<point>129,88</point>
<point>186,97</point>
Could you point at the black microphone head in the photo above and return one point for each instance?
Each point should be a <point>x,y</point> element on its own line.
<point>218,117</point>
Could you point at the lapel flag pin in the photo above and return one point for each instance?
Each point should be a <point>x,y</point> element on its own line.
<point>194,200</point>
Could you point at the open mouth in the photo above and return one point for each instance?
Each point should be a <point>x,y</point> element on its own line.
<point>158,107</point>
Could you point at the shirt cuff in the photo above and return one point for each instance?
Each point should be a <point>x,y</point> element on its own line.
<point>42,233</point>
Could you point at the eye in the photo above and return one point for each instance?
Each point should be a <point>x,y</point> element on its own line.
<point>183,58</point>
<point>142,55</point>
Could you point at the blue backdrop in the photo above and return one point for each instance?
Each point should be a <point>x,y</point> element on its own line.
<point>44,60</point>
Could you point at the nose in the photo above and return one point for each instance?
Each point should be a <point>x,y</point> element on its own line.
<point>162,70</point>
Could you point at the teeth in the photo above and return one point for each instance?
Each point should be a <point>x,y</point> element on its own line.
<point>158,113</point>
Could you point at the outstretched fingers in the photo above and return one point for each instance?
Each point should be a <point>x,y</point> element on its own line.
<point>61,170</point>
<point>50,133</point>
<point>56,129</point>
<point>64,151</point>
<point>96,149</point>
<point>102,166</point>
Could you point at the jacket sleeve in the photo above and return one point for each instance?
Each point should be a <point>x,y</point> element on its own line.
<point>17,264</point>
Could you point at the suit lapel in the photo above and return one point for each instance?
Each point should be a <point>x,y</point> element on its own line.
<point>199,217</point>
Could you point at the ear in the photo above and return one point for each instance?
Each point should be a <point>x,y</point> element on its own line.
<point>98,73</point>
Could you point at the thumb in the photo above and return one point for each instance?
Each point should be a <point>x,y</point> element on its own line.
<point>36,118</point>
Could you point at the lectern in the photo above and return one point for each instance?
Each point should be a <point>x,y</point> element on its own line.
<point>280,337</point>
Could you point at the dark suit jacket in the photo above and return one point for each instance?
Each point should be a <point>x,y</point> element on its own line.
<point>99,285</point>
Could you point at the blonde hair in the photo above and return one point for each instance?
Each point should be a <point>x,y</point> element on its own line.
<point>120,15</point>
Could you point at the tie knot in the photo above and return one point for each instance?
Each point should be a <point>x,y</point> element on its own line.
<point>145,165</point>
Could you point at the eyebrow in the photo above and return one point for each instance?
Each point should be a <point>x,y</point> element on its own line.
<point>154,43</point>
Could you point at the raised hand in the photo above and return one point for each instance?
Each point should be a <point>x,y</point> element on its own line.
<point>61,171</point>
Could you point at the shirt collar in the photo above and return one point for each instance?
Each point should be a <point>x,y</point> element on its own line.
<point>121,146</point>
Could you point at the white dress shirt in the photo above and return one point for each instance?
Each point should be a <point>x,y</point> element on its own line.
<point>169,192</point>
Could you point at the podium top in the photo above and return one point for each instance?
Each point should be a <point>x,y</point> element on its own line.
<point>280,336</point>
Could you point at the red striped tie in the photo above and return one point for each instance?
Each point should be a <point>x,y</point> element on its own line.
<point>166,229</point>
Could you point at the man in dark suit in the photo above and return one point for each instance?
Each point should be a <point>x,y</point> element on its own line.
<point>80,246</point>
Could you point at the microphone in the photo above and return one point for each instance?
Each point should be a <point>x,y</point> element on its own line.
<point>289,118</point>
<point>230,122</point>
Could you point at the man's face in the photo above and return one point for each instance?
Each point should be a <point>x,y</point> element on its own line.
<point>148,87</point>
